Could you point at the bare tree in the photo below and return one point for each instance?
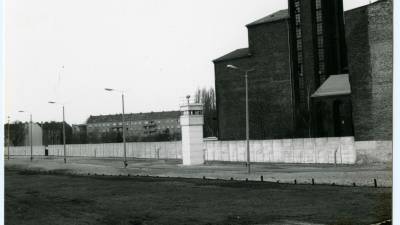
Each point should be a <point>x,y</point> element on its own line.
<point>207,98</point>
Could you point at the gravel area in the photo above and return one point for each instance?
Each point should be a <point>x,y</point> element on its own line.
<point>359,175</point>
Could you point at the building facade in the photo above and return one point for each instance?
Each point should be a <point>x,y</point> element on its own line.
<point>271,112</point>
<point>319,51</point>
<point>138,126</point>
<point>369,36</point>
<point>308,74</point>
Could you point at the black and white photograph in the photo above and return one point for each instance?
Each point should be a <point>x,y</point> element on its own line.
<point>186,112</point>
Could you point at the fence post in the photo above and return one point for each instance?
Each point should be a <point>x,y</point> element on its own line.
<point>315,150</point>
<point>204,155</point>
<point>334,156</point>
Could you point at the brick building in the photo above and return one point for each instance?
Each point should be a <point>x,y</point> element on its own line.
<point>319,72</point>
<point>271,112</point>
<point>370,42</point>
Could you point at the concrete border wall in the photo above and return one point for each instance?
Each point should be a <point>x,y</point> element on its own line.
<point>340,150</point>
<point>374,151</point>
<point>167,150</point>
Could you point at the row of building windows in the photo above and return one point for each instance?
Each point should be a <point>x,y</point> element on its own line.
<point>320,40</point>
<point>132,123</point>
<point>299,48</point>
<point>139,130</point>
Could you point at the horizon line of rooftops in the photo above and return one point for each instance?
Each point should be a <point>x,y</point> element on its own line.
<point>140,116</point>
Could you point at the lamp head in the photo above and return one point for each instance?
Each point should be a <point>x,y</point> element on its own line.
<point>51,102</point>
<point>108,89</point>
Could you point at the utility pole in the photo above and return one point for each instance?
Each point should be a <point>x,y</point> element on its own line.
<point>247,124</point>
<point>123,130</point>
<point>65,148</point>
<point>247,113</point>
<point>31,136</point>
<point>63,129</point>
<point>8,138</point>
<point>123,122</point>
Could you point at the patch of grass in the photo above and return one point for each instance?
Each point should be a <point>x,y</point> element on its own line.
<point>42,198</point>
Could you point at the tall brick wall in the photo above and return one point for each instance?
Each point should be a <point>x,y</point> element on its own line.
<point>270,92</point>
<point>273,88</point>
<point>369,41</point>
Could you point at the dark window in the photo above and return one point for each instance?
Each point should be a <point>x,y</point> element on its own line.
<point>300,69</point>
<point>302,95</point>
<point>301,83</point>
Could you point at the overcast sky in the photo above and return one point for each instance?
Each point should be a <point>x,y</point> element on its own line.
<point>157,50</point>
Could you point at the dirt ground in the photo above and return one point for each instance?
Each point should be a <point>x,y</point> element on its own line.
<point>56,198</point>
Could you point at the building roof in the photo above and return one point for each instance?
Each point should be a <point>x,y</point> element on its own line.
<point>366,6</point>
<point>279,15</point>
<point>134,117</point>
<point>238,53</point>
<point>334,85</point>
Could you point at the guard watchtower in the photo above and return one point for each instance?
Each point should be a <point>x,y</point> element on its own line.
<point>192,133</point>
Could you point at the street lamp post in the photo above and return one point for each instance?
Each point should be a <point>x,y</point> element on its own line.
<point>63,129</point>
<point>8,138</point>
<point>123,122</point>
<point>247,112</point>
<point>30,131</point>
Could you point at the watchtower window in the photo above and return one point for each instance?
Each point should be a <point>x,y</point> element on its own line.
<point>195,112</point>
